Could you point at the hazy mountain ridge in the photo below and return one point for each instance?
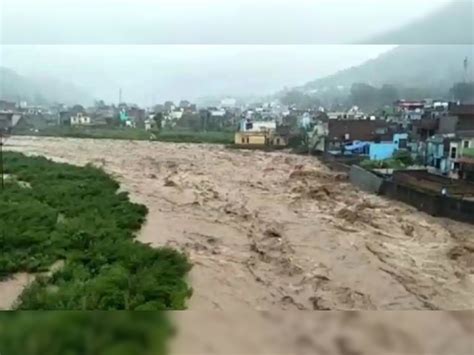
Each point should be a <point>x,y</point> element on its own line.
<point>431,53</point>
<point>39,90</point>
<point>451,24</point>
<point>410,66</point>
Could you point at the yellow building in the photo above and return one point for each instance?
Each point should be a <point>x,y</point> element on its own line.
<point>252,138</point>
<point>280,141</point>
<point>264,138</point>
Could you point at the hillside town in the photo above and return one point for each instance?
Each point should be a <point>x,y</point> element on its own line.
<point>436,134</point>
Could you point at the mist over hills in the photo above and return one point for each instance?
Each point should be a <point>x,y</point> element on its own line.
<point>39,90</point>
<point>409,66</point>
<point>430,54</point>
<point>451,24</point>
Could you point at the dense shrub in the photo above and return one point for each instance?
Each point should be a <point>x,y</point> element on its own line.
<point>404,157</point>
<point>75,214</point>
<point>83,333</point>
<point>400,160</point>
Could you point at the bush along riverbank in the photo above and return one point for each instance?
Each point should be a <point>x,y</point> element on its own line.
<point>84,333</point>
<point>121,133</point>
<point>58,214</point>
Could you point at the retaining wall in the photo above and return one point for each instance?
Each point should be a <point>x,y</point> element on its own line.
<point>365,180</point>
<point>433,204</point>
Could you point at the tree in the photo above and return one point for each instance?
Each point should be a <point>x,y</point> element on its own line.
<point>388,94</point>
<point>463,92</point>
<point>189,121</point>
<point>168,105</point>
<point>204,115</point>
<point>99,103</point>
<point>300,100</point>
<point>184,103</point>
<point>78,109</point>
<point>364,96</point>
<point>158,118</point>
<point>290,121</point>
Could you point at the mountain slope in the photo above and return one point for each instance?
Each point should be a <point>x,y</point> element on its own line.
<point>452,24</point>
<point>431,53</point>
<point>408,65</point>
<point>15,87</point>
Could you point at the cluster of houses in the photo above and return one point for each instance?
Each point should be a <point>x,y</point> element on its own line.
<point>436,134</point>
<point>450,151</point>
<point>224,114</point>
<point>439,136</point>
<point>102,115</point>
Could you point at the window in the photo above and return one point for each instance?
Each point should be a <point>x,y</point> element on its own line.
<point>453,152</point>
<point>466,144</point>
<point>243,140</point>
<point>278,141</point>
<point>248,140</point>
<point>402,144</point>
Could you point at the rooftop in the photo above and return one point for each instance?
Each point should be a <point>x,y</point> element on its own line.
<point>462,109</point>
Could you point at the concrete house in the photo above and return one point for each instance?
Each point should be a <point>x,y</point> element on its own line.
<point>80,119</point>
<point>340,132</point>
<point>260,133</point>
<point>386,150</point>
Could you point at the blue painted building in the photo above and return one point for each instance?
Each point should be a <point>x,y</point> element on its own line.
<point>381,151</point>
<point>385,150</point>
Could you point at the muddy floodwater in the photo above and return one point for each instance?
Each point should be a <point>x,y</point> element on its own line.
<point>280,232</point>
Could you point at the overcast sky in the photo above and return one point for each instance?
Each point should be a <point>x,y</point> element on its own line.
<point>205,21</point>
<point>239,46</point>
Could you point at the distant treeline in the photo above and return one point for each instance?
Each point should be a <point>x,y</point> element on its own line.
<point>369,97</point>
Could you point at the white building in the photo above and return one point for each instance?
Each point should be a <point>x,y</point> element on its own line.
<point>257,126</point>
<point>217,112</point>
<point>80,119</point>
<point>228,102</point>
<point>176,114</point>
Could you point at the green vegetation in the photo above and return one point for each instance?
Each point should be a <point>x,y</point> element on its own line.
<point>91,132</point>
<point>178,136</point>
<point>52,212</point>
<point>83,333</point>
<point>223,137</point>
<point>468,152</point>
<point>400,160</point>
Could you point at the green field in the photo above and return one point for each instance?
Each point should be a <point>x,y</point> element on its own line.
<point>177,136</point>
<point>51,212</point>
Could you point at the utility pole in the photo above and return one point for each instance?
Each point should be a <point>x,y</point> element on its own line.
<point>1,162</point>
<point>120,96</point>
<point>466,66</point>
